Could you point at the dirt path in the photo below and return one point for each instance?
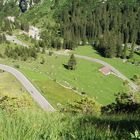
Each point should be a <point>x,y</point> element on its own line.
<point>15,40</point>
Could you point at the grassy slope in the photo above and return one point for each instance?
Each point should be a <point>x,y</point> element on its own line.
<point>51,90</point>
<point>29,125</point>
<point>10,87</point>
<point>8,84</point>
<point>85,78</point>
<point>127,69</point>
<point>40,11</point>
<point>36,124</point>
<point>91,83</point>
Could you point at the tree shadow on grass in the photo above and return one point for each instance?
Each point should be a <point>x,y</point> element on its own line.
<point>138,53</point>
<point>121,127</point>
<point>105,127</point>
<point>65,66</point>
<point>99,52</point>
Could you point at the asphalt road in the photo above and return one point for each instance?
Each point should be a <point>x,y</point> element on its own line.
<point>36,95</point>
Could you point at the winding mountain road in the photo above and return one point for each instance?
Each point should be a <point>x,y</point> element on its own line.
<point>36,95</point>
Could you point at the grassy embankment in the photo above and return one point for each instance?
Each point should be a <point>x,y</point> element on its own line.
<point>28,122</point>
<point>29,125</point>
<point>13,95</point>
<point>86,78</point>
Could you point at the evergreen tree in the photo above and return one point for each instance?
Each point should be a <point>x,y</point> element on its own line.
<point>125,51</point>
<point>132,50</point>
<point>42,60</point>
<point>72,62</point>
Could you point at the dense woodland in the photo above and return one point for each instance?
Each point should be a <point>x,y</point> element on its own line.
<point>105,25</point>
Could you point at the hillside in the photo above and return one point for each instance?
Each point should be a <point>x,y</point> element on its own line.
<point>78,23</point>
<point>69,69</point>
<point>67,25</point>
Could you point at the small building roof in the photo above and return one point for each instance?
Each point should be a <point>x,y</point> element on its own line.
<point>105,70</point>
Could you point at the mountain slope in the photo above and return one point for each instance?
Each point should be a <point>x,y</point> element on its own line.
<point>67,24</point>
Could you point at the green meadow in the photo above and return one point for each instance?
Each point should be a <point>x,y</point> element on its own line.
<point>54,80</point>
<point>127,69</point>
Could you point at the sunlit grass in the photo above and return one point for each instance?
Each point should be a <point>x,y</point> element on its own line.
<point>127,69</point>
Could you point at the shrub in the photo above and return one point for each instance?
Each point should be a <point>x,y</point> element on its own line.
<point>124,104</point>
<point>85,106</point>
<point>125,83</point>
<point>1,71</point>
<point>42,60</point>
<point>135,77</point>
<point>74,88</point>
<point>50,53</point>
<point>17,66</point>
<point>83,93</point>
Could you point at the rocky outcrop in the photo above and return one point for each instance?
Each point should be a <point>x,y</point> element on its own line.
<point>26,4</point>
<point>23,4</point>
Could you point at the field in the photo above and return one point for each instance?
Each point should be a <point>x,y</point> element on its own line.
<point>55,93</point>
<point>51,90</point>
<point>86,79</point>
<point>60,85</point>
<point>127,69</point>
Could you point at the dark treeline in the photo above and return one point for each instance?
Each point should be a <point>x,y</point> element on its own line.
<point>22,53</point>
<point>2,38</point>
<point>8,26</point>
<point>107,25</point>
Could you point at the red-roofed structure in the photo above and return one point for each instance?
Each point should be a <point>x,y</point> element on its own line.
<point>105,70</point>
